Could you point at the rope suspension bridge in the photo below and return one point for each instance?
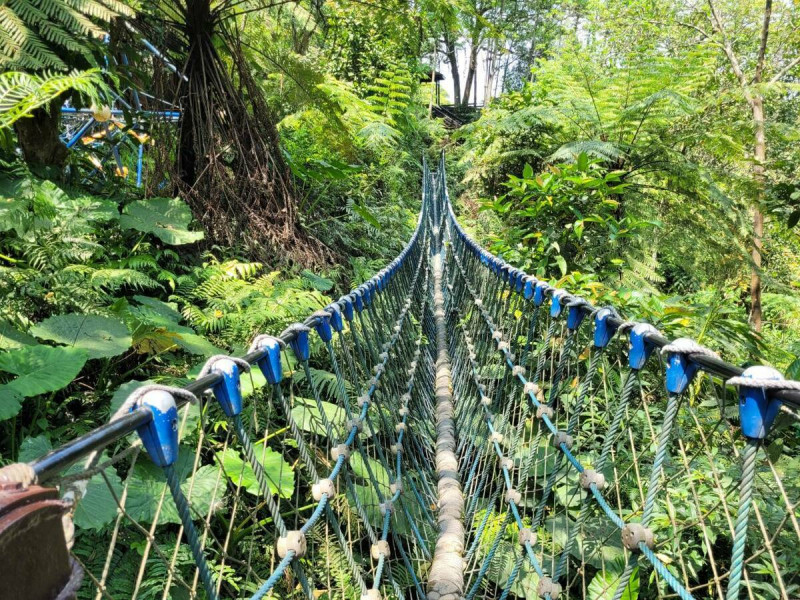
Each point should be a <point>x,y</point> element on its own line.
<point>452,429</point>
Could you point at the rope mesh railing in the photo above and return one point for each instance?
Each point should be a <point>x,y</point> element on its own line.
<point>451,429</point>
<point>602,461</point>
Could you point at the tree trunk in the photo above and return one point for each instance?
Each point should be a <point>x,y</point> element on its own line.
<point>452,59</point>
<point>473,65</point>
<point>760,155</point>
<point>38,137</point>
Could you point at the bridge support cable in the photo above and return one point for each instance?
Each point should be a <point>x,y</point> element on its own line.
<point>622,448</point>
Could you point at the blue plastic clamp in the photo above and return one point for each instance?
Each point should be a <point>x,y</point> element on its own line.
<point>358,299</point>
<point>603,329</point>
<point>270,363</point>
<point>323,325</point>
<point>346,302</point>
<point>538,293</point>
<point>520,280</point>
<point>680,372</point>
<point>299,342</point>
<point>529,287</point>
<point>336,317</point>
<point>555,303</point>
<point>757,411</point>
<point>160,434</point>
<point>575,316</point>
<point>641,347</point>
<point>228,390</point>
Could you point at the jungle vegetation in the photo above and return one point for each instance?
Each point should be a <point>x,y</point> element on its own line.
<point>643,153</point>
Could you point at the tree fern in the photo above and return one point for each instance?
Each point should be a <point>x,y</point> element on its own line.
<point>22,93</point>
<point>36,34</point>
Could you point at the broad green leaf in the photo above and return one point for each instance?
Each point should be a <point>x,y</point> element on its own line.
<point>32,448</point>
<point>364,213</point>
<point>147,484</point>
<point>196,344</point>
<point>604,584</point>
<point>11,338</point>
<point>97,508</point>
<point>361,469</point>
<point>39,369</point>
<point>166,218</point>
<point>307,416</point>
<point>279,473</point>
<point>562,264</point>
<point>319,283</point>
<point>100,336</point>
<point>167,310</point>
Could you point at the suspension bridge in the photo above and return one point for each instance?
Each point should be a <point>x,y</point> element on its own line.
<point>452,429</point>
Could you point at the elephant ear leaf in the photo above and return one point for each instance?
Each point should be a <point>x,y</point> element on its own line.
<point>166,218</point>
<point>101,337</point>
<point>38,370</point>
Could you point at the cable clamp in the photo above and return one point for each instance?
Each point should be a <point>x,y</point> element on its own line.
<point>400,427</point>
<point>372,595</point>
<point>482,388</point>
<point>478,302</point>
<point>385,507</point>
<point>548,587</point>
<point>507,464</point>
<point>486,401</point>
<point>503,346</point>
<point>340,450</point>
<point>396,487</point>
<point>527,536</point>
<point>293,541</point>
<point>362,400</point>
<point>562,438</point>
<point>355,422</point>
<point>384,356</point>
<point>396,448</point>
<point>635,534</point>
<point>497,335</point>
<point>517,370</point>
<point>402,411</point>
<point>381,547</point>
<point>589,477</point>
<point>496,437</point>
<point>323,486</point>
<point>545,411</point>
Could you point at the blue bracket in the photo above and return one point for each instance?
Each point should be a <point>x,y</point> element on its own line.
<point>555,303</point>
<point>228,390</point>
<point>160,434</point>
<point>641,347</point>
<point>358,300</point>
<point>346,302</point>
<point>336,317</point>
<point>270,363</point>
<point>299,342</point>
<point>530,286</point>
<point>757,411</point>
<point>603,330</point>
<point>322,323</point>
<point>520,280</point>
<point>575,317</point>
<point>680,372</point>
<point>538,293</point>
